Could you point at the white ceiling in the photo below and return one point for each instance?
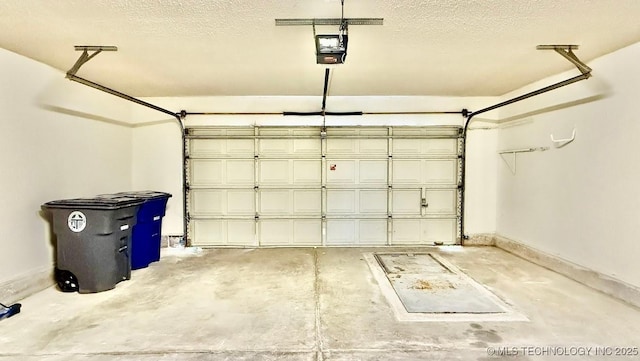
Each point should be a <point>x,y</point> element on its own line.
<point>215,47</point>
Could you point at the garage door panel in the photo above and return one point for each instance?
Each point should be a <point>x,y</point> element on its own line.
<point>240,147</point>
<point>226,172</point>
<point>367,147</point>
<point>241,233</point>
<point>406,201</point>
<point>407,172</point>
<point>223,232</point>
<point>341,146</point>
<point>307,202</point>
<point>373,171</point>
<point>346,232</point>
<point>425,172</point>
<point>373,201</point>
<point>275,232</point>
<point>341,202</point>
<point>341,232</point>
<point>274,146</point>
<point>221,147</point>
<point>290,232</point>
<point>273,202</point>
<point>274,172</point>
<point>372,232</point>
<point>439,230</point>
<point>241,202</point>
<point>289,202</point>
<point>352,172</point>
<point>306,172</point>
<point>440,171</point>
<point>307,232</point>
<point>424,147</point>
<point>357,147</point>
<point>207,202</point>
<point>354,202</point>
<point>285,172</point>
<point>206,172</point>
<point>307,147</point>
<point>441,201</point>
<point>206,147</point>
<point>341,171</point>
<point>423,231</point>
<point>281,175</point>
<point>406,231</point>
<point>220,202</point>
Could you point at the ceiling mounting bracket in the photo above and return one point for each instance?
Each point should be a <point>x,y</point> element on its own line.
<point>85,56</point>
<point>330,21</point>
<point>567,52</point>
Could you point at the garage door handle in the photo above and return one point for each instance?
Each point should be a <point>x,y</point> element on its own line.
<point>424,203</point>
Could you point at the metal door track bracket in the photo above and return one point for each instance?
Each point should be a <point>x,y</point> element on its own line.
<point>567,52</point>
<point>85,57</point>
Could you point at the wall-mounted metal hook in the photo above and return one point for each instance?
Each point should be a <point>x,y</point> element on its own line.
<point>559,143</point>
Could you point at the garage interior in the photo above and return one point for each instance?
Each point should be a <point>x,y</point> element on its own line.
<point>449,138</point>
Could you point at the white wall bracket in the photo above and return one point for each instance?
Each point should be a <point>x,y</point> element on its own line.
<point>559,143</point>
<point>514,153</point>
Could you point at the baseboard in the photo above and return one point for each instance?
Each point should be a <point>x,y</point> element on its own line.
<point>603,283</point>
<point>26,285</point>
<point>480,239</point>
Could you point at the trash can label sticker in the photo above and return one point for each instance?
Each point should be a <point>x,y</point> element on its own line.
<point>124,227</point>
<point>77,221</point>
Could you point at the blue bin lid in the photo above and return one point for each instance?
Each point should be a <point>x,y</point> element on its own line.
<point>146,195</point>
<point>107,203</point>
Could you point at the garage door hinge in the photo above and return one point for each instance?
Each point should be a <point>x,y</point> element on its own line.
<point>257,216</point>
<point>390,216</point>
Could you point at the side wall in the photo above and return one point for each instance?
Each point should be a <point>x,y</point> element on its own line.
<point>47,152</point>
<point>580,202</point>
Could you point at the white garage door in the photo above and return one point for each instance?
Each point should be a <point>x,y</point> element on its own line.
<point>271,186</point>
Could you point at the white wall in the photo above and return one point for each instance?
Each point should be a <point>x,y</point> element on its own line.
<point>51,151</point>
<point>157,165</point>
<point>157,154</point>
<point>580,202</point>
<point>481,184</point>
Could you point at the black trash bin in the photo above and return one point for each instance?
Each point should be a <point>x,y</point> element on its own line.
<point>147,233</point>
<point>94,239</point>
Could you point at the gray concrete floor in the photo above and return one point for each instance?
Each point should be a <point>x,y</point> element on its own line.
<point>305,304</point>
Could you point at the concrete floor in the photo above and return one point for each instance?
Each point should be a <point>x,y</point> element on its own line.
<point>305,304</point>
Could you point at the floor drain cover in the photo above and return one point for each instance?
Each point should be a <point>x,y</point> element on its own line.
<point>424,284</point>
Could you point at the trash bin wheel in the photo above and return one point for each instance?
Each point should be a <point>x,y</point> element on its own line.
<point>67,281</point>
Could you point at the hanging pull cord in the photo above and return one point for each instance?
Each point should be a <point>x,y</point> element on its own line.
<point>344,26</point>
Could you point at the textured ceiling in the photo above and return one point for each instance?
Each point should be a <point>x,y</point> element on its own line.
<point>214,47</point>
